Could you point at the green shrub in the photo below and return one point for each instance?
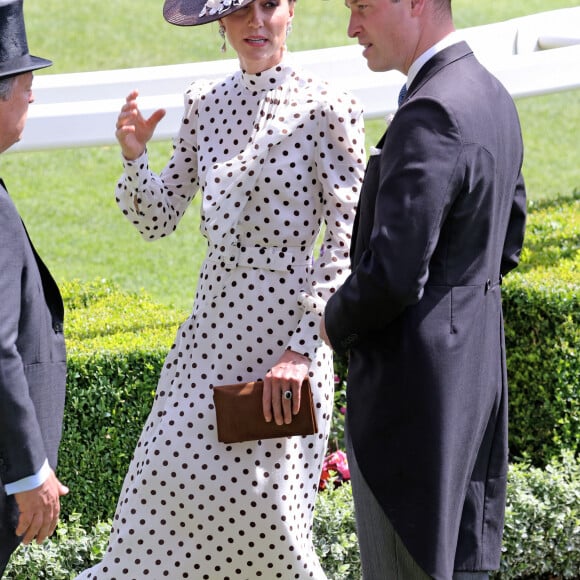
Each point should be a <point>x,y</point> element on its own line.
<point>542,528</point>
<point>543,333</point>
<point>109,397</point>
<point>541,538</point>
<point>68,552</point>
<point>100,317</point>
<point>553,237</point>
<point>335,533</point>
<point>117,343</point>
<point>542,337</point>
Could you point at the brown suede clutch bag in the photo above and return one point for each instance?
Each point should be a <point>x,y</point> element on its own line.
<point>240,417</point>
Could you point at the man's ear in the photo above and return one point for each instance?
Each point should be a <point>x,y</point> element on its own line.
<point>418,6</point>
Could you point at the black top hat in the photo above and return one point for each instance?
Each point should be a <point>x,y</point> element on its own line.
<point>14,56</point>
<point>194,12</point>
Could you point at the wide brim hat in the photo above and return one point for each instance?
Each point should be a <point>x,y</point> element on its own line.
<point>196,12</point>
<point>14,56</point>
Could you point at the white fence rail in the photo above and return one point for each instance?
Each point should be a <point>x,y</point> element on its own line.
<point>531,55</point>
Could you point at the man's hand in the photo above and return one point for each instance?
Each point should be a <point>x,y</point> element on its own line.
<point>39,510</point>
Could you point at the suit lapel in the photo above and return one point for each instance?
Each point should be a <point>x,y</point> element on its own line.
<point>51,292</point>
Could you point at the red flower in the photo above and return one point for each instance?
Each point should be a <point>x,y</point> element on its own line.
<point>335,469</point>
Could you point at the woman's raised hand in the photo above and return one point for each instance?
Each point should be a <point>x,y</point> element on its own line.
<point>133,130</point>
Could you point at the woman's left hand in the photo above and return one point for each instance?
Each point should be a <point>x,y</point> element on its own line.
<point>286,376</point>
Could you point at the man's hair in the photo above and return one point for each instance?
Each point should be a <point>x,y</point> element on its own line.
<point>443,7</point>
<point>6,85</point>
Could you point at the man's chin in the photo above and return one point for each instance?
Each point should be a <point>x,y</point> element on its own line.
<point>376,67</point>
<point>372,63</point>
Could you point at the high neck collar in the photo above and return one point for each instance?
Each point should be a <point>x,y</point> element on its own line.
<point>268,79</point>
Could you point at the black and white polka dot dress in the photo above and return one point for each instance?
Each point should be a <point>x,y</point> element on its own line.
<point>276,156</point>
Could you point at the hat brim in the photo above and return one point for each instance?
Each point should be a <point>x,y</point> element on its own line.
<point>187,12</point>
<point>22,64</point>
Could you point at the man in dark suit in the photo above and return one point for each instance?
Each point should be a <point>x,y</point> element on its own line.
<point>32,350</point>
<point>441,219</point>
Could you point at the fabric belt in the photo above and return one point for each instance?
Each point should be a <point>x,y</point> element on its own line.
<point>264,257</point>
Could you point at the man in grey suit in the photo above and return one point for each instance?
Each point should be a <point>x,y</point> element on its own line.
<point>32,350</point>
<point>441,219</point>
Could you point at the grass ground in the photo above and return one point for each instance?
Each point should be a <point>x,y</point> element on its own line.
<point>66,197</point>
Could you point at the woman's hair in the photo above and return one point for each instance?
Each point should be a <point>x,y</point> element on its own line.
<point>6,85</point>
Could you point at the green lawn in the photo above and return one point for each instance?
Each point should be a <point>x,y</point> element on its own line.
<point>67,197</point>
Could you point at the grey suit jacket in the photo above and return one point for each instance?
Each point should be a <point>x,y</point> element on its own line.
<point>441,218</point>
<point>32,360</point>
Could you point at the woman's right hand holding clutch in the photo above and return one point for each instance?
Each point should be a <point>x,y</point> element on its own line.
<point>133,130</point>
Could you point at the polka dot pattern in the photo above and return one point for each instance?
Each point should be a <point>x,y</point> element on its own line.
<point>277,157</point>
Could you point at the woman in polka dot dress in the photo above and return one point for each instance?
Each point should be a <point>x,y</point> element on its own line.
<point>276,155</point>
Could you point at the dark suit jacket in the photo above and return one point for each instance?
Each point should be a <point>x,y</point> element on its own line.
<point>441,218</point>
<point>32,364</point>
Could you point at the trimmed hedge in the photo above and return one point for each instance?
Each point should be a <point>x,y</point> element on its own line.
<point>542,312</point>
<point>541,538</point>
<point>117,343</point>
<point>542,338</point>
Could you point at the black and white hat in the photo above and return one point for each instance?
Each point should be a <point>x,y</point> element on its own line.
<point>195,12</point>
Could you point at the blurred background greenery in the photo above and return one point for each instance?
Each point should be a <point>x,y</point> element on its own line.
<point>66,197</point>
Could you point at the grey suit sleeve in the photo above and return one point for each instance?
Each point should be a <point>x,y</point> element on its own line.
<point>516,227</point>
<point>420,169</point>
<point>22,451</point>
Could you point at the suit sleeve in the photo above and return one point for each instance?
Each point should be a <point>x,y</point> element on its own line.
<point>515,231</point>
<point>22,451</point>
<point>420,167</point>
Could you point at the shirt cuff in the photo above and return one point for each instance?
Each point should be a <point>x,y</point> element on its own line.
<point>29,483</point>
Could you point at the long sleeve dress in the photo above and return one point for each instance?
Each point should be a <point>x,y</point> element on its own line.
<point>278,157</point>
